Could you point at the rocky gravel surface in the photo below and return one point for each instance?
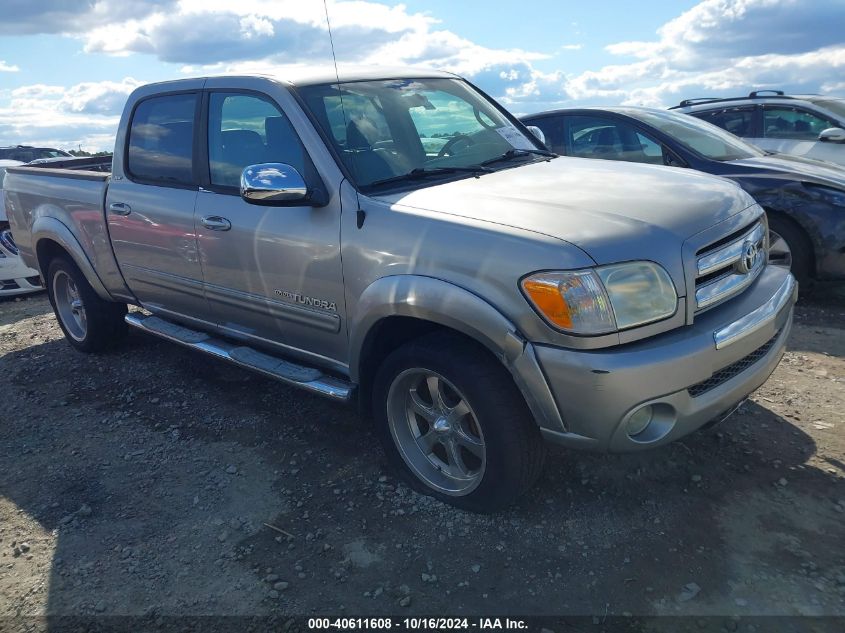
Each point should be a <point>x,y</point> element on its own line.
<point>155,481</point>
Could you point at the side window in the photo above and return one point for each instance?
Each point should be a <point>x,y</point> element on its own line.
<point>792,123</point>
<point>161,139</point>
<point>247,130</point>
<point>735,120</point>
<point>609,139</point>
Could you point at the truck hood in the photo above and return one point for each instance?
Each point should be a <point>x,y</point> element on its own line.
<point>614,211</point>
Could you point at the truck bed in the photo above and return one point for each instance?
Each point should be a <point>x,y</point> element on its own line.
<point>65,201</point>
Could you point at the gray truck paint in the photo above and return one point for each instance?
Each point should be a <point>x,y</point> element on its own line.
<point>451,254</point>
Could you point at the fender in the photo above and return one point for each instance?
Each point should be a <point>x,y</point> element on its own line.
<point>46,227</point>
<point>446,304</point>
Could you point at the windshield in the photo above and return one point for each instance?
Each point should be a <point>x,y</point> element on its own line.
<point>837,106</point>
<point>703,138</point>
<point>391,128</point>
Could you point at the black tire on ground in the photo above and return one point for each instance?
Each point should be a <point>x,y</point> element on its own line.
<point>101,325</point>
<point>513,450</point>
<point>801,249</point>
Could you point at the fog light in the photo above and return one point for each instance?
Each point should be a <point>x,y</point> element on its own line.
<point>639,422</point>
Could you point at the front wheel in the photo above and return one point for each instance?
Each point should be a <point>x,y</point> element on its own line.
<point>789,247</point>
<point>454,424</point>
<point>89,323</point>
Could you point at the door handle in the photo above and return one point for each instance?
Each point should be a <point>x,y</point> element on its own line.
<point>216,223</point>
<point>119,208</point>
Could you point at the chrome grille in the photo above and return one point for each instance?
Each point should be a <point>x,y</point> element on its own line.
<point>727,267</point>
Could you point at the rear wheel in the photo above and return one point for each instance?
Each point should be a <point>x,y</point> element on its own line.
<point>454,424</point>
<point>89,323</point>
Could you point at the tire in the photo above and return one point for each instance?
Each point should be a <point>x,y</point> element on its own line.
<point>89,323</point>
<point>477,446</point>
<point>790,247</point>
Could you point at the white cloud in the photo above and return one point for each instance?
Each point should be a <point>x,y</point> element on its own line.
<point>86,114</point>
<point>724,46</point>
<point>8,68</point>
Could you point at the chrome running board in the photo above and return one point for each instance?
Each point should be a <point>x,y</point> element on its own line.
<point>308,378</point>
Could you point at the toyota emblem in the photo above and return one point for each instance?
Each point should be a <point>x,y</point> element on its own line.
<point>750,252</point>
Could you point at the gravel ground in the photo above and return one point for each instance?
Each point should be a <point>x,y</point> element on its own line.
<point>157,481</point>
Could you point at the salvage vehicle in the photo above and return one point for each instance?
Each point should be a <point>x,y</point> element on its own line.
<point>16,278</point>
<point>804,199</point>
<point>812,126</point>
<point>473,300</point>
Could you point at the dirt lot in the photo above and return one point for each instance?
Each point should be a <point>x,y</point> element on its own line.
<point>144,481</point>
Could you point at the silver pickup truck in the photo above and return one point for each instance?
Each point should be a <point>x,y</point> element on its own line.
<point>398,239</point>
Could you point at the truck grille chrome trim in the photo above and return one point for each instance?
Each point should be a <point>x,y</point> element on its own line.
<point>728,268</point>
<point>734,369</point>
<point>760,317</point>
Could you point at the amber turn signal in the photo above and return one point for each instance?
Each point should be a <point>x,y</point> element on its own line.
<point>546,296</point>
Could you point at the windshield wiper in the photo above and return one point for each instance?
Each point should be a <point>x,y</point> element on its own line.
<point>515,153</point>
<point>420,173</point>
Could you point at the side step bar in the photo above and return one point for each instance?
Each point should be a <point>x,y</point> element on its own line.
<point>308,378</point>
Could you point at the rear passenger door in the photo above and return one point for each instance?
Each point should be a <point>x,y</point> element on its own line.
<point>272,274</point>
<point>739,120</point>
<point>150,207</point>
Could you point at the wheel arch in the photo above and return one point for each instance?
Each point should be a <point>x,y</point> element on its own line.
<point>394,310</point>
<point>51,239</point>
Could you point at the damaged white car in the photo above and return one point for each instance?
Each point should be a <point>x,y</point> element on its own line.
<point>16,278</point>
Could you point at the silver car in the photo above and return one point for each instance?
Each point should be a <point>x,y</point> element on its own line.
<point>811,126</point>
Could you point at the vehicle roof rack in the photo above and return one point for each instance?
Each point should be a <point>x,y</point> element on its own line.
<point>757,94</point>
<point>688,102</point>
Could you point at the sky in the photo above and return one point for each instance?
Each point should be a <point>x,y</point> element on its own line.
<point>67,66</point>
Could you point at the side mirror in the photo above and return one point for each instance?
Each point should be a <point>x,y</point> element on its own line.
<point>832,135</point>
<point>272,184</point>
<point>538,133</point>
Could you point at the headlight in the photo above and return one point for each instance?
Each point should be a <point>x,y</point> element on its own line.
<point>604,299</point>
<point>828,194</point>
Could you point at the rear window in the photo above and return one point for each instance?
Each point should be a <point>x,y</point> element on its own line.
<point>735,120</point>
<point>161,140</point>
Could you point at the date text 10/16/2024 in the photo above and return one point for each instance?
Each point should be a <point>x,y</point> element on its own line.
<point>417,623</point>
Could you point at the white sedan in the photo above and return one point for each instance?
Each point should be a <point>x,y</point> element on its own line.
<point>15,277</point>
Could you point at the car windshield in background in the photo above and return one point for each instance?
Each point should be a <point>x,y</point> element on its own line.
<point>390,131</point>
<point>837,106</point>
<point>708,140</point>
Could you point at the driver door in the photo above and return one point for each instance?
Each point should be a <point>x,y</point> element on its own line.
<point>272,274</point>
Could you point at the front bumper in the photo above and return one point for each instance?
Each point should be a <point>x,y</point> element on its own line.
<point>689,376</point>
<point>16,278</point>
